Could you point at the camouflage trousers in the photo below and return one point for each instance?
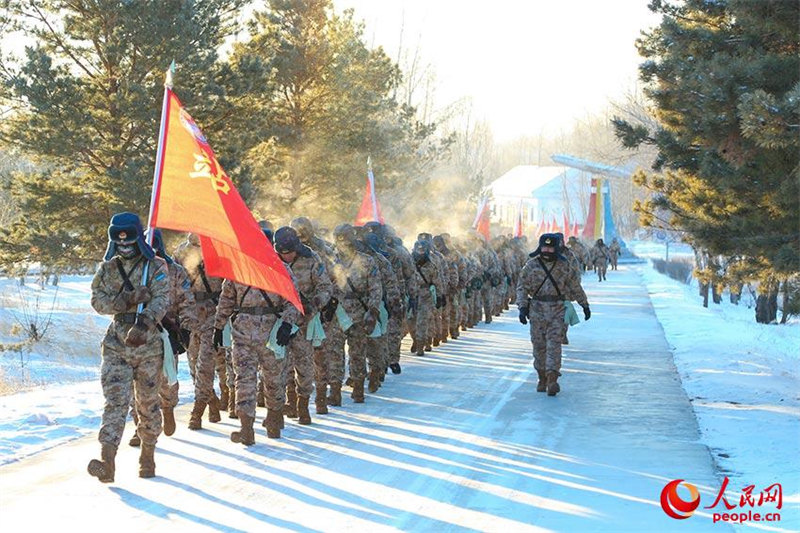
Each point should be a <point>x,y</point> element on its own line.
<point>378,353</point>
<point>424,323</point>
<point>487,301</point>
<point>547,332</point>
<point>453,315</point>
<point>169,393</point>
<point>436,323</point>
<point>333,358</point>
<point>395,337</point>
<point>128,373</point>
<point>300,364</point>
<point>252,358</point>
<point>209,361</point>
<point>601,268</point>
<point>357,350</point>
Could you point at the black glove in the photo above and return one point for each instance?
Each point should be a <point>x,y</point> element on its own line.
<point>186,337</point>
<point>327,313</point>
<point>370,320</point>
<point>284,334</point>
<point>587,313</point>
<point>176,343</point>
<point>523,314</point>
<point>412,304</point>
<point>217,338</point>
<point>442,301</point>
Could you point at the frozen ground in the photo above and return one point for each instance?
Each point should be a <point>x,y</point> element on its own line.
<point>460,440</point>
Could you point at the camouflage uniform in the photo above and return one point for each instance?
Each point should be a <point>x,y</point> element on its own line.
<point>546,307</point>
<point>256,314</point>
<point>379,346</point>
<point>491,274</point>
<point>314,286</point>
<point>204,359</point>
<point>407,285</point>
<point>614,251</point>
<point>600,257</point>
<point>358,278</point>
<point>443,276</point>
<point>126,370</point>
<point>427,277</point>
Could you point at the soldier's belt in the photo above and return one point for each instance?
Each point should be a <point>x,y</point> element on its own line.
<point>125,318</point>
<point>203,296</point>
<point>259,310</point>
<point>548,298</point>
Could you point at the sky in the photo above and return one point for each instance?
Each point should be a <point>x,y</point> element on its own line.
<point>527,66</point>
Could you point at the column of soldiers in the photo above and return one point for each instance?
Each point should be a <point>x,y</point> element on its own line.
<point>365,291</point>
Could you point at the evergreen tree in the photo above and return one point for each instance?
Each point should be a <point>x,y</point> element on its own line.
<point>725,80</point>
<point>85,107</point>
<point>327,105</point>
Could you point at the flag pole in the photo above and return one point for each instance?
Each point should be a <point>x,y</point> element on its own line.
<point>374,198</point>
<point>157,170</point>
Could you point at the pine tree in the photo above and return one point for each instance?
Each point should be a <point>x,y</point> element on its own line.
<point>85,106</point>
<point>724,76</point>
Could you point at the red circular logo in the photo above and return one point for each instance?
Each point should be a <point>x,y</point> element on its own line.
<point>674,505</point>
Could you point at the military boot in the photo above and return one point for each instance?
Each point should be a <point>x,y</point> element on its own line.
<point>213,408</point>
<point>290,408</point>
<point>358,390</point>
<point>223,395</point>
<point>135,440</point>
<point>303,416</point>
<point>321,400</point>
<point>196,418</point>
<point>335,399</point>
<point>104,469</point>
<point>374,382</point>
<point>413,346</point>
<point>168,415</point>
<point>232,404</point>
<point>260,402</point>
<point>273,423</point>
<point>147,461</point>
<point>246,435</point>
<point>552,383</point>
<point>541,386</point>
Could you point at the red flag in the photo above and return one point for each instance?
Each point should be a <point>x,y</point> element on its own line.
<point>370,208</point>
<point>567,231</point>
<point>193,193</point>
<point>554,227</point>
<point>518,224</point>
<point>481,223</point>
<point>576,230</point>
<point>541,229</point>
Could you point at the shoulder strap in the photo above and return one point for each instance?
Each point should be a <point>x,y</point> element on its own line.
<point>549,276</point>
<point>126,277</point>
<point>202,270</point>
<point>269,301</point>
<point>423,275</point>
<point>357,295</point>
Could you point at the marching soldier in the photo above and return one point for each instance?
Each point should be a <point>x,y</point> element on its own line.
<point>545,283</point>
<point>132,349</point>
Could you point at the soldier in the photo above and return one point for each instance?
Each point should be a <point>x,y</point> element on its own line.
<point>330,354</point>
<point>490,276</point>
<point>546,281</point>
<point>179,321</point>
<point>614,251</point>
<point>204,359</point>
<point>254,313</point>
<point>391,300</point>
<point>600,257</point>
<point>451,287</point>
<point>132,349</point>
<point>441,296</point>
<point>314,287</point>
<point>358,279</point>
<point>425,303</point>
<point>456,301</point>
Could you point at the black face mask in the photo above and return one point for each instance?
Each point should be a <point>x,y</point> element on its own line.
<point>127,251</point>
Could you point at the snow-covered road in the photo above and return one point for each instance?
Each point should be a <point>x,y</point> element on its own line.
<point>459,441</point>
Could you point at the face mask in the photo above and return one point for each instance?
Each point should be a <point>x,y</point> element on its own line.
<point>127,251</point>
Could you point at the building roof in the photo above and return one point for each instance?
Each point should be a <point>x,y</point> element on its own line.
<point>523,180</point>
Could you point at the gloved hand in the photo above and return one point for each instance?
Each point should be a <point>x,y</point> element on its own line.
<point>327,313</point>
<point>443,300</point>
<point>412,304</point>
<point>396,309</point>
<point>587,313</point>
<point>284,334</point>
<point>370,320</point>
<point>175,343</point>
<point>217,338</point>
<point>137,335</point>
<point>523,314</point>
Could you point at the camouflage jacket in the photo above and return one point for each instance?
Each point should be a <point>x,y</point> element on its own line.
<point>181,299</point>
<point>252,302</point>
<point>358,278</point>
<point>534,283</point>
<point>313,282</point>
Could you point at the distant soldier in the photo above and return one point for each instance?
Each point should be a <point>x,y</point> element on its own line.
<point>546,282</point>
<point>615,251</point>
<point>132,349</point>
<point>314,287</point>
<point>428,280</point>
<point>358,278</point>
<point>599,257</point>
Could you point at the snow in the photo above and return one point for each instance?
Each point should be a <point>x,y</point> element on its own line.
<point>655,388</point>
